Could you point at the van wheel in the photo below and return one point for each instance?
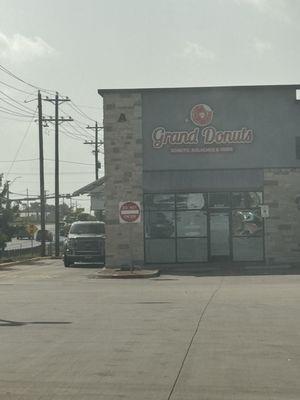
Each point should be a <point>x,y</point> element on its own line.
<point>66,262</point>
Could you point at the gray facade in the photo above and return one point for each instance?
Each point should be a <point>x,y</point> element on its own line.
<point>271,112</point>
<point>232,147</point>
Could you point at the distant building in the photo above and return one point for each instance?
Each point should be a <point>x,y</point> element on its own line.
<point>95,190</point>
<point>32,215</point>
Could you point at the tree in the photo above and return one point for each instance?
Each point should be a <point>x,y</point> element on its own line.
<point>8,215</point>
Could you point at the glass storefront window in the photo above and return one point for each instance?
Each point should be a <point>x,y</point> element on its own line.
<point>247,223</point>
<point>191,201</point>
<point>191,223</point>
<point>219,200</point>
<point>159,201</point>
<point>160,224</point>
<point>192,250</point>
<point>246,199</point>
<point>160,250</point>
<point>247,249</point>
<point>196,227</point>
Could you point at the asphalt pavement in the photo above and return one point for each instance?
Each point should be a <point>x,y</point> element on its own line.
<point>66,335</point>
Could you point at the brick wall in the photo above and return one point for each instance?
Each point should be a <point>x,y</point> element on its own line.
<point>282,228</point>
<point>123,171</point>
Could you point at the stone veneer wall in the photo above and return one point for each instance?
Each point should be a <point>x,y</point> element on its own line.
<point>123,175</point>
<point>282,228</point>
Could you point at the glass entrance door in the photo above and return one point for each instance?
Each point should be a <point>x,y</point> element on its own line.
<point>219,235</point>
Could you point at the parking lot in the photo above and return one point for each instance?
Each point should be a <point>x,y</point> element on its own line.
<point>65,334</point>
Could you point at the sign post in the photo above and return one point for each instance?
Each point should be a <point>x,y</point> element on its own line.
<point>130,213</point>
<point>31,229</point>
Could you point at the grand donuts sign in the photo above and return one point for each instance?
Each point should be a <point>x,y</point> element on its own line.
<point>214,140</point>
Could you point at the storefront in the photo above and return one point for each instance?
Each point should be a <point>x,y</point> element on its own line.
<point>193,227</point>
<point>203,163</point>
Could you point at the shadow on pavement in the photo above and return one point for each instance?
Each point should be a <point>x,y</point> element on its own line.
<point>79,265</point>
<point>5,322</point>
<point>226,269</point>
<point>8,269</point>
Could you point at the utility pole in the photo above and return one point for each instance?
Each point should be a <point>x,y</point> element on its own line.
<point>27,196</point>
<point>7,188</point>
<point>42,180</point>
<point>57,101</point>
<point>96,143</point>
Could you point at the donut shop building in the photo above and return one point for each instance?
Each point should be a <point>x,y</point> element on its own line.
<point>215,171</point>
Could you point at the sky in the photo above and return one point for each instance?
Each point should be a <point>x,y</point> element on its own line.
<point>76,47</point>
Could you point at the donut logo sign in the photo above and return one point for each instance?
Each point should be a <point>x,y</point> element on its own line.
<point>202,138</point>
<point>129,212</point>
<point>201,114</point>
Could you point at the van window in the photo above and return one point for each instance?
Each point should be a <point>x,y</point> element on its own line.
<point>96,229</point>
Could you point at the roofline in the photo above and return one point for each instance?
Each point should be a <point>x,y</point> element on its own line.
<point>102,92</point>
<point>87,188</point>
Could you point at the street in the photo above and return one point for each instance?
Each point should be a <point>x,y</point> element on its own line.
<point>66,335</point>
<point>18,244</point>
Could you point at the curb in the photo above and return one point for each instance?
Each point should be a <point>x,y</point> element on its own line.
<point>11,263</point>
<point>118,274</point>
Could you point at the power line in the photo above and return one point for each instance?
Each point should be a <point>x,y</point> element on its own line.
<point>82,131</point>
<point>11,74</point>
<point>21,144</point>
<point>14,106</point>
<point>69,162</point>
<point>16,120</point>
<point>28,159</point>
<point>85,106</point>
<point>51,173</point>
<point>72,134</point>
<point>14,88</point>
<point>23,194</point>
<point>46,159</point>
<point>12,112</point>
<point>79,111</point>
<point>16,101</point>
<point>5,70</point>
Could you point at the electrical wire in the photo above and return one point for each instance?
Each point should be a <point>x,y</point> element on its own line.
<point>85,106</point>
<point>14,106</point>
<point>28,159</point>
<point>8,72</point>
<point>17,102</point>
<point>21,144</point>
<point>45,159</point>
<point>11,112</point>
<point>14,88</point>
<point>77,109</point>
<point>15,119</point>
<point>71,104</point>
<point>24,194</point>
<point>66,132</point>
<point>68,162</point>
<point>51,173</point>
<point>83,131</point>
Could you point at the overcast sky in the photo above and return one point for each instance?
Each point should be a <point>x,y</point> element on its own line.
<point>76,47</point>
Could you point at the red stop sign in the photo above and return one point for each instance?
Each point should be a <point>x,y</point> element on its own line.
<point>130,211</point>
